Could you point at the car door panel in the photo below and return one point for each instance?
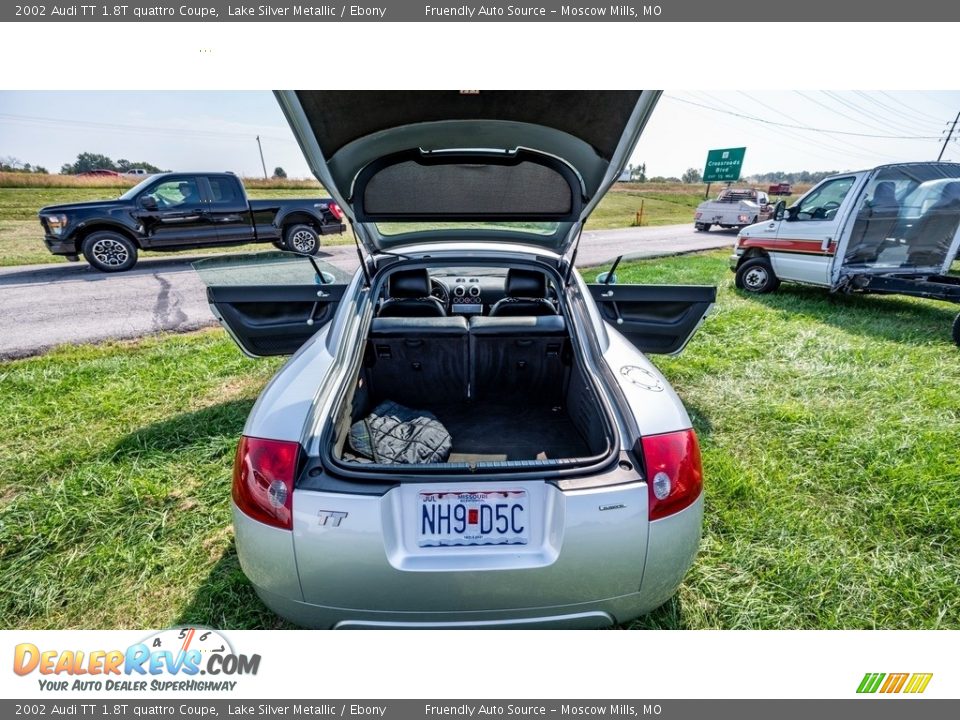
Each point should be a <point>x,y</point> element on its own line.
<point>655,318</point>
<point>274,320</point>
<point>272,303</point>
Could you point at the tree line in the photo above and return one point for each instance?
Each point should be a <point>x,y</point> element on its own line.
<point>87,161</point>
<point>638,173</point>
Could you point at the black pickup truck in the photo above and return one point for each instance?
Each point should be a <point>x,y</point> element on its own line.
<point>176,211</point>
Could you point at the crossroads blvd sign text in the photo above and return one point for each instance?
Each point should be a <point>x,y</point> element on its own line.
<point>724,165</point>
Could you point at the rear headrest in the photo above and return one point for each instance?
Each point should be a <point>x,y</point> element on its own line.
<point>518,325</point>
<point>526,284</point>
<point>410,284</point>
<point>387,327</point>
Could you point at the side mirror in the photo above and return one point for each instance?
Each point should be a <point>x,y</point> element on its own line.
<point>148,202</point>
<point>325,278</point>
<point>778,209</point>
<point>602,279</point>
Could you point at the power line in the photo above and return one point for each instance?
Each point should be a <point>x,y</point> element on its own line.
<point>134,129</point>
<point>839,144</point>
<point>911,108</point>
<point>886,123</point>
<point>803,127</point>
<point>777,135</point>
<point>842,114</point>
<point>920,117</point>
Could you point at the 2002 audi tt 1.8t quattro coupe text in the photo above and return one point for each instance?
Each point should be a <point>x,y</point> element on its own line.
<point>468,434</point>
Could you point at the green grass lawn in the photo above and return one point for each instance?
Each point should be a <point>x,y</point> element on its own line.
<point>21,237</point>
<point>829,428</point>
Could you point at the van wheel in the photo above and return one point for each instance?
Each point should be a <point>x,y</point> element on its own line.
<point>756,275</point>
<point>302,239</point>
<point>109,251</point>
<point>701,227</point>
<point>956,330</point>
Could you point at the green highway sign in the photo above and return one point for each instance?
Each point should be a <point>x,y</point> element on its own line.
<point>724,165</point>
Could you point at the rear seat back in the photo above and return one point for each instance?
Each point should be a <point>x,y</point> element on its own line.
<point>518,355</point>
<point>416,359</point>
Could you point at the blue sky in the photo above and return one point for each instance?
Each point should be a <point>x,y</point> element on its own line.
<point>203,130</point>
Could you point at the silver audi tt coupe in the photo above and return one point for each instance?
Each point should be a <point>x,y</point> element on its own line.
<point>468,433</point>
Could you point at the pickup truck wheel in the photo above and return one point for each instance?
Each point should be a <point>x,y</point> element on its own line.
<point>701,227</point>
<point>109,251</point>
<point>756,275</point>
<point>302,239</point>
<point>956,330</point>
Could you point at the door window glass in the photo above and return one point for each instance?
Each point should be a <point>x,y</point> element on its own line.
<point>823,202</point>
<point>267,269</point>
<point>224,191</point>
<point>176,193</point>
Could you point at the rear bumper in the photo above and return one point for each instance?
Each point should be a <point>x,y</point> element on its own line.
<point>332,228</point>
<point>608,567</point>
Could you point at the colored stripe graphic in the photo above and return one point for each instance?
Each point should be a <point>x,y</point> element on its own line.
<point>870,682</point>
<point>894,683</point>
<point>918,682</point>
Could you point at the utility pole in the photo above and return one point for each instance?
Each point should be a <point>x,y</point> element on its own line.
<point>949,135</point>
<point>265,177</point>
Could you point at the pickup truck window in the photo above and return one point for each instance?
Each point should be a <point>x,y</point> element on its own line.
<point>823,202</point>
<point>174,193</point>
<point>224,191</point>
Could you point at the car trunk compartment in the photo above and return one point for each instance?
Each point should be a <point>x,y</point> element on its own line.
<point>508,390</point>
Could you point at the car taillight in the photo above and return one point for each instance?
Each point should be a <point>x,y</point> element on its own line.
<point>263,475</point>
<point>674,471</point>
<point>697,216</point>
<point>335,211</point>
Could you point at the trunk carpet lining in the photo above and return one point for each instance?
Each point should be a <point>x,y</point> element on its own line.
<point>504,431</point>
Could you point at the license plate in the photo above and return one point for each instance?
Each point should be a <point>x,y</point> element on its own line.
<point>487,517</point>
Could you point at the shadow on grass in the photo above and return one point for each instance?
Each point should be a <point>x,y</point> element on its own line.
<point>883,317</point>
<point>701,422</point>
<point>187,430</point>
<point>225,599</point>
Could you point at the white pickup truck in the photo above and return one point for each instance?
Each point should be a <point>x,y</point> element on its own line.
<point>733,208</point>
<point>892,230</point>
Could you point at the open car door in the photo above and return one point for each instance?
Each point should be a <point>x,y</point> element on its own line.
<point>271,303</point>
<point>655,318</point>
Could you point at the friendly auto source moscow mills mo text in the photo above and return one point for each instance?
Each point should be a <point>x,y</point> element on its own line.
<point>480,11</point>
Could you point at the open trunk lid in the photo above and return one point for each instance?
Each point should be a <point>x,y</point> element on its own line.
<point>496,166</point>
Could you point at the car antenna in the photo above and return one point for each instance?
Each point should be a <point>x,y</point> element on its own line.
<point>613,268</point>
<point>316,268</point>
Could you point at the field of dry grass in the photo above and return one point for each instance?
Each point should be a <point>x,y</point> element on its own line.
<point>30,180</point>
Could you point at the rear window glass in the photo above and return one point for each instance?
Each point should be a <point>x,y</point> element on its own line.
<point>224,190</point>
<point>459,190</point>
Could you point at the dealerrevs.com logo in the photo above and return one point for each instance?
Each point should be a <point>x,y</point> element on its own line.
<point>889,683</point>
<point>170,660</point>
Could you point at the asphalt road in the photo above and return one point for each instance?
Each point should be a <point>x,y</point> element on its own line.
<point>46,305</point>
